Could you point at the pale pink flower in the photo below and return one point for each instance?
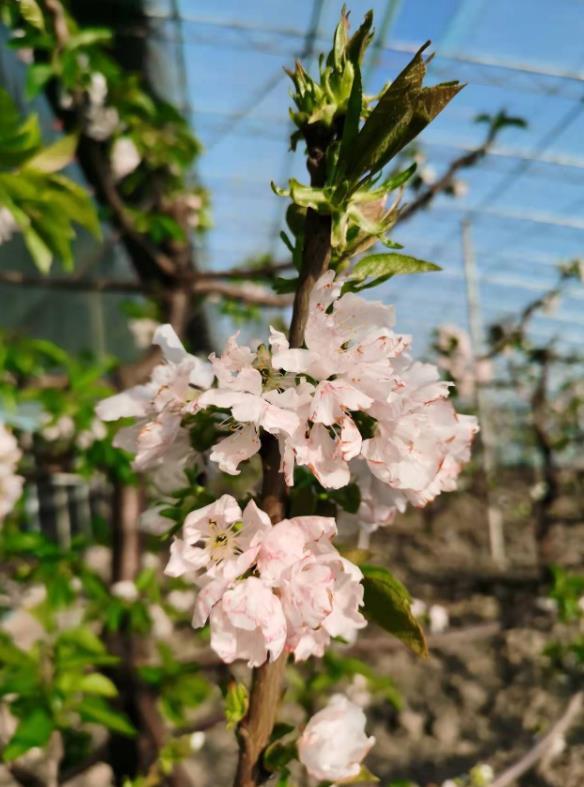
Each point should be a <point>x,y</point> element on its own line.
<point>231,451</point>
<point>321,598</point>
<point>378,506</point>
<point>160,405</point>
<point>143,330</point>
<point>248,623</point>
<point>125,157</point>
<point>354,342</point>
<point>320,591</point>
<point>456,357</point>
<point>167,474</point>
<point>126,590</point>
<point>241,390</point>
<point>101,121</point>
<point>219,540</point>
<point>322,454</point>
<point>349,352</point>
<point>299,577</point>
<point>10,482</point>
<point>334,743</point>
<point>8,225</point>
<point>353,363</point>
<point>420,442</point>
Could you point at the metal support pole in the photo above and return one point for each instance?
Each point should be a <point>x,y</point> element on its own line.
<point>494,513</point>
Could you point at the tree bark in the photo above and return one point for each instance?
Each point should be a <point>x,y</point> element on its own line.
<point>543,506</point>
<point>255,729</point>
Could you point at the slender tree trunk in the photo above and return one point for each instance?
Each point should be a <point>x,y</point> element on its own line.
<point>130,757</point>
<point>255,729</point>
<point>549,476</point>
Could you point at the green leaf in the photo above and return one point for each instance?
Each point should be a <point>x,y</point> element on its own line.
<point>348,497</point>
<point>82,639</point>
<point>501,120</point>
<point>340,40</point>
<point>89,36</point>
<point>397,180</point>
<point>360,40</point>
<point>353,116</point>
<point>281,285</point>
<point>381,267</point>
<point>96,683</point>
<point>74,199</point>
<point>95,709</point>
<point>32,13</point>
<point>404,109</point>
<point>38,249</point>
<point>364,775</point>
<point>236,704</point>
<point>33,730</point>
<point>277,755</point>
<point>280,730</point>
<point>283,778</point>
<point>19,138</point>
<point>37,76</point>
<point>55,156</point>
<point>388,603</point>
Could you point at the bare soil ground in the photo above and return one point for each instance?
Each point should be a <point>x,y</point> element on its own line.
<point>488,690</point>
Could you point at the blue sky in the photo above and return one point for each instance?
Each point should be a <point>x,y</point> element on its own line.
<point>525,215</point>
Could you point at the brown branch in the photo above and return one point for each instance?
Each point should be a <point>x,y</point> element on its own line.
<point>446,180</point>
<point>442,641</point>
<point>98,284</point>
<point>532,757</point>
<point>201,726</point>
<point>264,272</point>
<point>518,328</point>
<point>246,293</point>
<point>200,285</point>
<point>255,729</point>
<point>549,473</point>
<point>25,777</point>
<point>60,25</point>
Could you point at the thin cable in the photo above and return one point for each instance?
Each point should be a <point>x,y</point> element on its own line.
<point>181,65</point>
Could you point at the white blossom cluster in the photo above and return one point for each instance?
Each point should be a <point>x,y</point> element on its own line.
<point>350,404</point>
<point>10,482</point>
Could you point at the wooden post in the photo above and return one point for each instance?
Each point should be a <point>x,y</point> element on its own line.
<point>488,457</point>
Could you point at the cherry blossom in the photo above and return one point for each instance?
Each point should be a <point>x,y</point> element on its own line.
<point>169,472</point>
<point>8,225</point>
<point>158,406</point>
<point>248,623</point>
<point>349,350</point>
<point>420,442</point>
<point>101,120</point>
<point>10,482</point>
<point>360,365</point>
<point>352,394</point>
<point>457,359</point>
<point>334,743</point>
<point>143,330</point>
<point>301,582</point>
<point>219,540</point>
<point>378,506</point>
<point>241,390</point>
<point>321,592</point>
<point>124,157</point>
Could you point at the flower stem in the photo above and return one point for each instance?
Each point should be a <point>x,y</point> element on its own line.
<point>255,729</point>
